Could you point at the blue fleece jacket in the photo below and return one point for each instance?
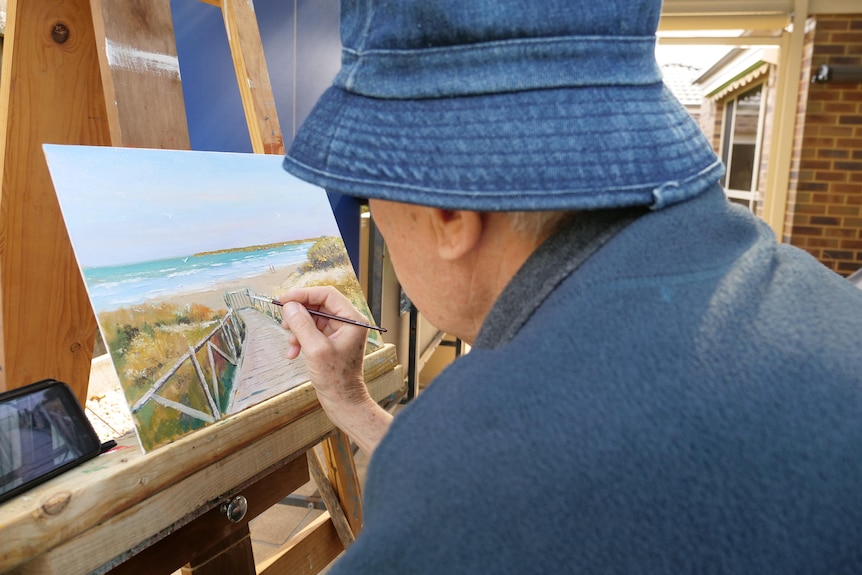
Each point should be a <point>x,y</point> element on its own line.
<point>688,400</point>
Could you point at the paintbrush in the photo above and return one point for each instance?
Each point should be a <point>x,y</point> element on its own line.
<point>335,317</point>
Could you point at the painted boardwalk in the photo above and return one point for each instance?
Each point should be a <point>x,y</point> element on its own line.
<point>263,371</point>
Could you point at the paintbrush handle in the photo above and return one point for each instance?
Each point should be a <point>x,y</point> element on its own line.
<point>337,318</point>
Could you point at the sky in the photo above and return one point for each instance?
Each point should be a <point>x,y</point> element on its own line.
<point>128,205</point>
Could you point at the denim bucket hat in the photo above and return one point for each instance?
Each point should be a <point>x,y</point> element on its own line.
<point>503,105</point>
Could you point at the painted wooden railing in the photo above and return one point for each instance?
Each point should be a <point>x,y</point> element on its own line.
<point>245,298</point>
<point>232,330</point>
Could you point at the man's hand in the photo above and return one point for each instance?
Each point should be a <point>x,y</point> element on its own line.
<point>334,352</point>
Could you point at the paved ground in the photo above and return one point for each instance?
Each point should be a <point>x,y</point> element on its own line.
<point>273,528</point>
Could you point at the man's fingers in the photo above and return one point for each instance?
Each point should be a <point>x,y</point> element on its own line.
<point>306,334</point>
<point>294,347</point>
<point>323,298</point>
<point>299,322</point>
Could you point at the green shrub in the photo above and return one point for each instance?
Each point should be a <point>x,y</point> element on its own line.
<point>327,252</point>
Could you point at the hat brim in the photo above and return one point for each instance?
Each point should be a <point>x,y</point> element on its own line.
<point>553,149</point>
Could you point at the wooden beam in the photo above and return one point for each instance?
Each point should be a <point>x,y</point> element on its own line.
<point>141,73</point>
<point>309,551</point>
<point>198,541</point>
<point>341,469</point>
<point>114,541</point>
<point>330,499</point>
<point>50,92</point>
<point>252,75</point>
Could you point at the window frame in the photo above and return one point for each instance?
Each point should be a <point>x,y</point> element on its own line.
<point>748,197</point>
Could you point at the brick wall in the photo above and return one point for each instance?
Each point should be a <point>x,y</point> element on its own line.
<point>825,202</point>
<point>709,119</point>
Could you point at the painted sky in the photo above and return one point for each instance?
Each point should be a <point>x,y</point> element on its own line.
<point>128,205</point>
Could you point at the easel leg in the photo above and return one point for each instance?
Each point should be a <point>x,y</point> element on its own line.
<point>49,326</point>
<point>338,454</point>
<point>330,498</point>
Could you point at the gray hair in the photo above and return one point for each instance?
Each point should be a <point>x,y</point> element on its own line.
<point>536,226</point>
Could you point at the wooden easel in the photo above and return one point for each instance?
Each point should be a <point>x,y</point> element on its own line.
<point>104,72</point>
<point>127,512</point>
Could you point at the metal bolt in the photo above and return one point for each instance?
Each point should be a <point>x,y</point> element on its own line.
<point>60,33</point>
<point>235,509</point>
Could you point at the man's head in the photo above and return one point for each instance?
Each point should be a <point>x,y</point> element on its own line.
<point>495,120</point>
<point>455,263</point>
<point>503,105</point>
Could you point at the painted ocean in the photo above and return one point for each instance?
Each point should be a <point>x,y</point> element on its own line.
<point>113,287</point>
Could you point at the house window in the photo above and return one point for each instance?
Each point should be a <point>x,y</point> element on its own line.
<point>740,147</point>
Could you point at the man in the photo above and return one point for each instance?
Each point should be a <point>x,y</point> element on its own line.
<point>655,385</point>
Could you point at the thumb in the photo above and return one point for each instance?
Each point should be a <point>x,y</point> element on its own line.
<point>299,321</point>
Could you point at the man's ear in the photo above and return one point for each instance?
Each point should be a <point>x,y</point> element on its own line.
<point>457,232</point>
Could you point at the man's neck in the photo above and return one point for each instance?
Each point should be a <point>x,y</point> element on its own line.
<point>553,261</point>
<point>499,256</point>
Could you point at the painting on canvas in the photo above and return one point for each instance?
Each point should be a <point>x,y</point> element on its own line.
<point>181,252</point>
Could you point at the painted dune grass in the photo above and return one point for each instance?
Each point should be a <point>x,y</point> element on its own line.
<point>148,339</point>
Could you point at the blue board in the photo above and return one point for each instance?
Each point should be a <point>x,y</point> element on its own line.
<point>303,51</point>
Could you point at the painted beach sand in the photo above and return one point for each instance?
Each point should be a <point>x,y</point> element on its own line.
<point>180,252</point>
